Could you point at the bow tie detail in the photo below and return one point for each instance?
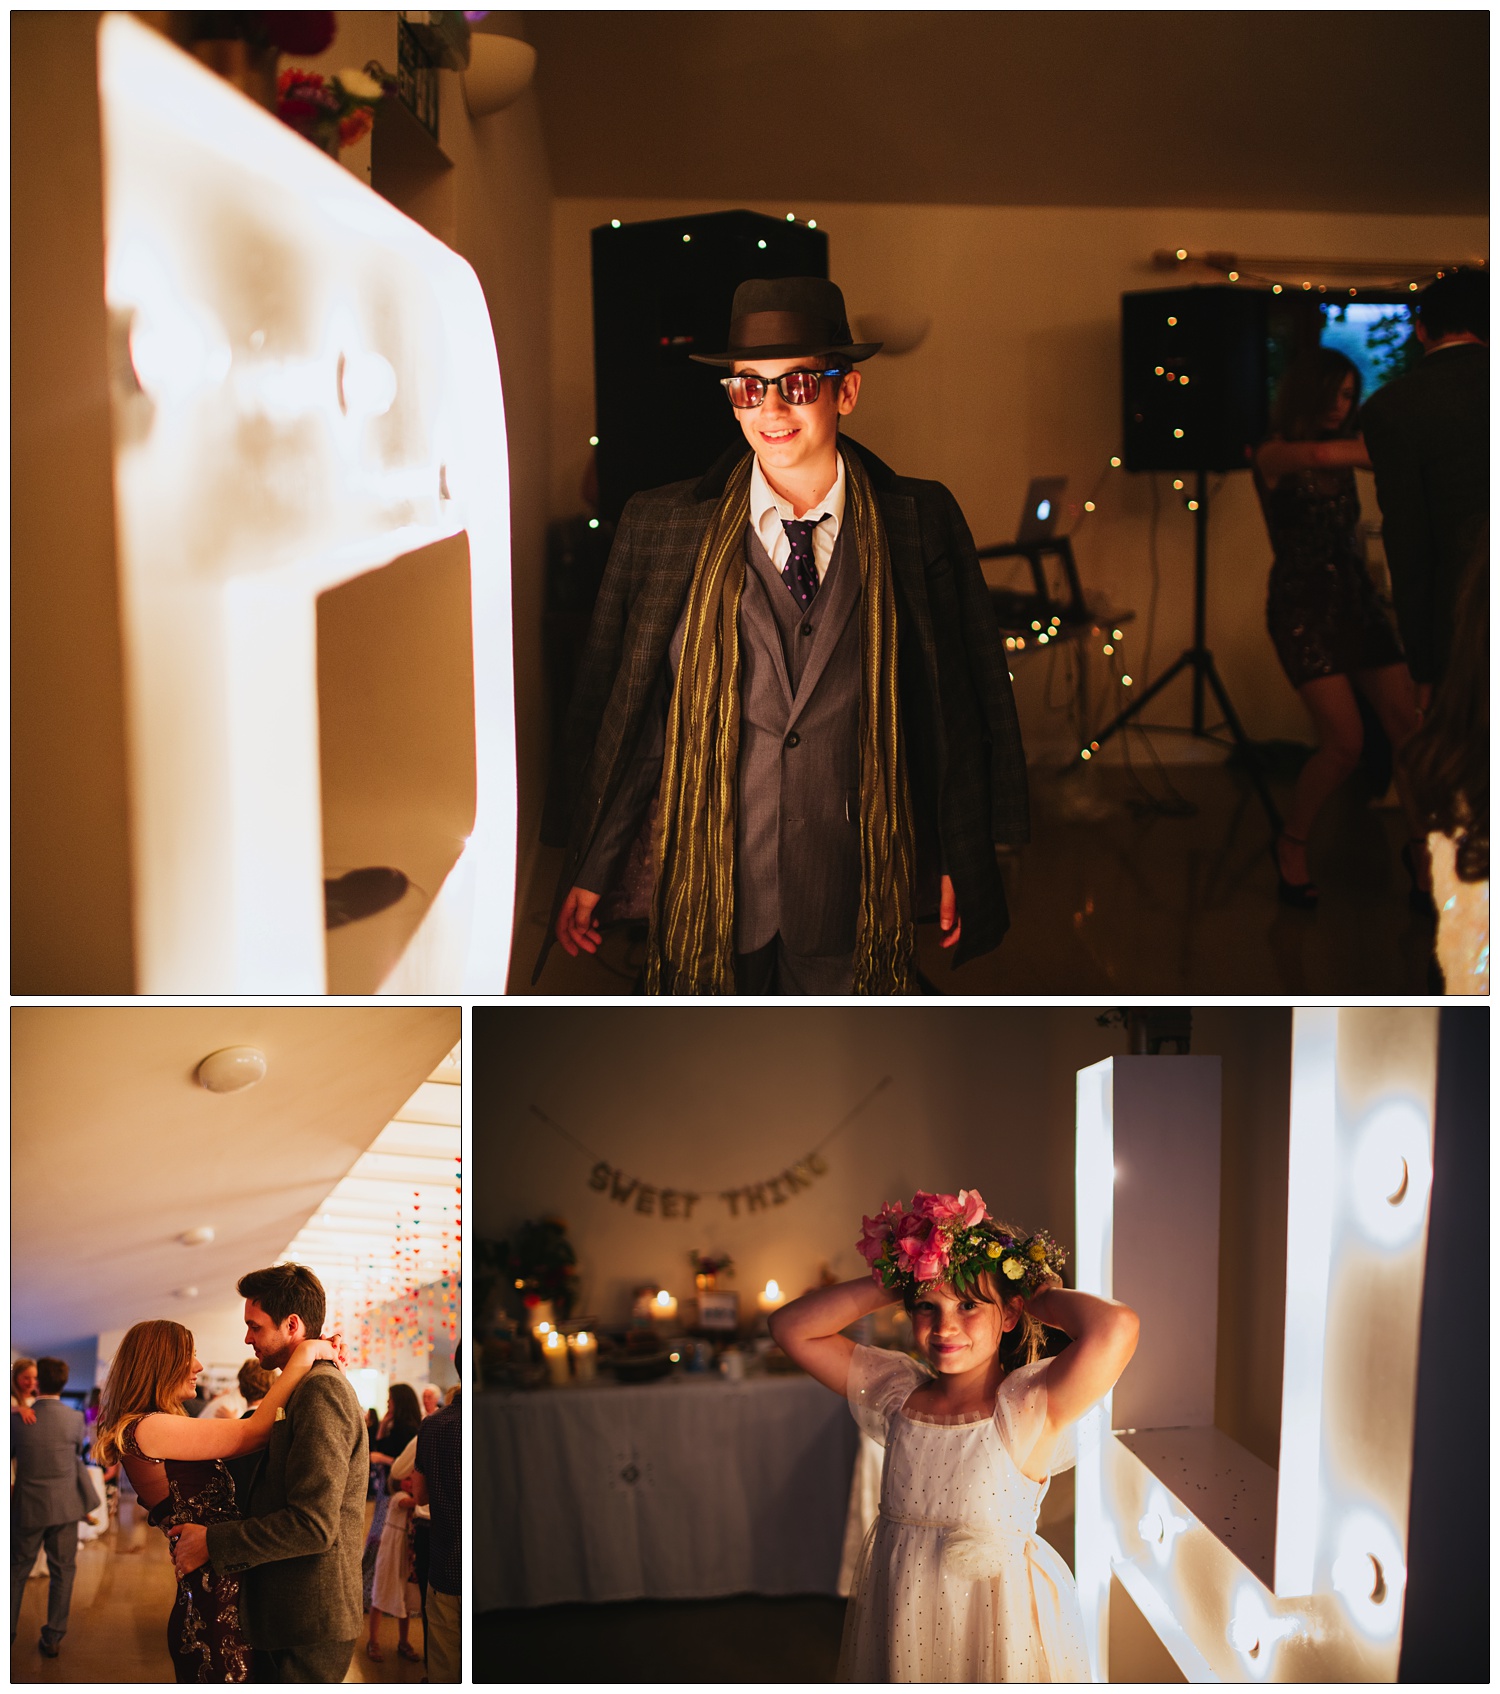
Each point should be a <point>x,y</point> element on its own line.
<point>800,572</point>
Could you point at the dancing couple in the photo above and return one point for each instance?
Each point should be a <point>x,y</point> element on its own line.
<point>268,1574</point>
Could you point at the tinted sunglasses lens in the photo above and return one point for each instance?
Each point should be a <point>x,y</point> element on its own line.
<point>801,387</point>
<point>745,390</point>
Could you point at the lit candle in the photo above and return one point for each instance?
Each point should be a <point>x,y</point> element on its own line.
<point>541,1331</point>
<point>555,1352</point>
<point>584,1350</point>
<point>664,1307</point>
<point>772,1299</point>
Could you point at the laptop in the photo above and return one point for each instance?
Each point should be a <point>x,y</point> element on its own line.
<point>1042,510</point>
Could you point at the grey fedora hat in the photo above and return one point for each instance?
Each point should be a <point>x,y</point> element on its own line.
<point>788,317</point>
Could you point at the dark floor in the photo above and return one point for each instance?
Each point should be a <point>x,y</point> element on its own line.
<point>1113,898</point>
<point>746,1638</point>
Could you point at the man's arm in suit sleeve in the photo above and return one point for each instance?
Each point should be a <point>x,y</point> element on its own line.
<point>1010,821</point>
<point>1405,530</point>
<point>317,1475</point>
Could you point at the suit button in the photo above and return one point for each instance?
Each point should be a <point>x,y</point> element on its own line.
<point>807,629</point>
<point>792,739</point>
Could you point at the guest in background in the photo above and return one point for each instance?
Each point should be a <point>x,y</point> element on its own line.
<point>254,1383</point>
<point>1330,633</point>
<point>1448,766</point>
<point>395,1592</point>
<point>437,1482</point>
<point>403,1417</point>
<point>52,1495</point>
<point>432,1398</point>
<point>23,1388</point>
<point>1428,436</point>
<point>421,1534</point>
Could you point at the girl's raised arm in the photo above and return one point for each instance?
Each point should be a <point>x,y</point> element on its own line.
<point>1104,1335</point>
<point>163,1436</point>
<point>1274,458</point>
<point>807,1330</point>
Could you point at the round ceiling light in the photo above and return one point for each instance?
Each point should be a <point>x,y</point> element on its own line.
<point>231,1069</point>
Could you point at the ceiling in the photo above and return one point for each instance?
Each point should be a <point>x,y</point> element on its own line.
<point>1350,111</point>
<point>116,1151</point>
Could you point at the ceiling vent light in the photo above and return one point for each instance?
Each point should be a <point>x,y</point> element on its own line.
<point>231,1069</point>
<point>199,1237</point>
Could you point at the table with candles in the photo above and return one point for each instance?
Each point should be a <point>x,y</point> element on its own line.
<point>692,1486</point>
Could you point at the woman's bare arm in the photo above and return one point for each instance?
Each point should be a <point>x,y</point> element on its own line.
<point>160,1435</point>
<point>1275,458</point>
<point>807,1330</point>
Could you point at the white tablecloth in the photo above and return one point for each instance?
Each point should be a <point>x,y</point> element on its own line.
<point>688,1488</point>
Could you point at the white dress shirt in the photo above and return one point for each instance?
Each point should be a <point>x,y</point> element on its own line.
<point>768,510</point>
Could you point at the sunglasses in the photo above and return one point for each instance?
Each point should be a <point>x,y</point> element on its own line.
<point>798,388</point>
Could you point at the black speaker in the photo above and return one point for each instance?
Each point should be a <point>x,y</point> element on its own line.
<point>662,291</point>
<point>1194,377</point>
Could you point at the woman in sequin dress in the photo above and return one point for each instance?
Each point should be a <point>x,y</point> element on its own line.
<point>1328,628</point>
<point>176,1465</point>
<point>953,1583</point>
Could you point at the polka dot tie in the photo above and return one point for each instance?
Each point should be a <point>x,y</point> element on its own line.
<point>800,572</point>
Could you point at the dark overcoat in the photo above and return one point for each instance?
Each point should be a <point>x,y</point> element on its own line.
<point>965,766</point>
<point>298,1549</point>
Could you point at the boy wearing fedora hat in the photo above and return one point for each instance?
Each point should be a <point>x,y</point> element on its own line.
<point>795,694</point>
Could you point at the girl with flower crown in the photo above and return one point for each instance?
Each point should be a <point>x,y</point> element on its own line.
<point>953,1583</point>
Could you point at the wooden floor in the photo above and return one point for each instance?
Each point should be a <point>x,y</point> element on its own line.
<point>117,1625</point>
<point>1117,896</point>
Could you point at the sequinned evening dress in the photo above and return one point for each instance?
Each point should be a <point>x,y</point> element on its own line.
<point>953,1583</point>
<point>1321,608</point>
<point>203,1631</point>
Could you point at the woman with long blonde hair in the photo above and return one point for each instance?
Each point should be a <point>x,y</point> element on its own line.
<point>176,1465</point>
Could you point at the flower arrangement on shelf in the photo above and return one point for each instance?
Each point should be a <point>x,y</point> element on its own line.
<point>541,1266</point>
<point>708,1268</point>
<point>332,111</point>
<point>952,1238</point>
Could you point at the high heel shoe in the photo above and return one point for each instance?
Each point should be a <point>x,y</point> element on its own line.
<point>1418,898</point>
<point>1302,896</point>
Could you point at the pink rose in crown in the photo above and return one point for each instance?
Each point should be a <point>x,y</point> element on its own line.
<point>974,1209</point>
<point>940,1208</point>
<point>877,1231</point>
<point>922,1249</point>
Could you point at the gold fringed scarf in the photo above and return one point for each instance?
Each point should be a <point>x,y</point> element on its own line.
<point>691,944</point>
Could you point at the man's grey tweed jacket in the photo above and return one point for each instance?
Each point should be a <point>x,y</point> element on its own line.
<point>964,760</point>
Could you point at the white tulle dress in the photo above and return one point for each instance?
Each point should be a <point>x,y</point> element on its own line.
<point>953,1583</point>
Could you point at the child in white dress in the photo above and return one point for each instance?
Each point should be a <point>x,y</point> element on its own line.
<point>953,1583</point>
<point>393,1592</point>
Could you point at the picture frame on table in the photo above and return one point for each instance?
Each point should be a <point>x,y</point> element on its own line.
<point>719,1310</point>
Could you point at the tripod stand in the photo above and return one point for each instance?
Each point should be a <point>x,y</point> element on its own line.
<point>1200,662</point>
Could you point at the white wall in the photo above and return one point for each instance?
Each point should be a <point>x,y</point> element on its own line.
<point>1019,377</point>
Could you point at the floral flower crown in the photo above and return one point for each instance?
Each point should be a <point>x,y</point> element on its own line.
<point>952,1238</point>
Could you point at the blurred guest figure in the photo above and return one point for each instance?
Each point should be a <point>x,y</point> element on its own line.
<point>23,1388</point>
<point>421,1533</point>
<point>52,1495</point>
<point>1428,436</point>
<point>1448,767</point>
<point>403,1416</point>
<point>395,1591</point>
<point>1330,633</point>
<point>254,1382</point>
<point>438,1484</point>
<point>432,1398</point>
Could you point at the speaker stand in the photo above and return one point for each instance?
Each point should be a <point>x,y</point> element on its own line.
<point>1198,660</point>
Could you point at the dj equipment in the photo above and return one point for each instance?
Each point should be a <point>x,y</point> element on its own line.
<point>1193,367</point>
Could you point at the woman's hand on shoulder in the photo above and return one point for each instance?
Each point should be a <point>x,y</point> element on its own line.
<point>330,1347</point>
<point>25,1413</point>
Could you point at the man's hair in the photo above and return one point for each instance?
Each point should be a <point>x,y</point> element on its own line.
<point>280,1290</point>
<point>1456,303</point>
<point>254,1382</point>
<point>51,1376</point>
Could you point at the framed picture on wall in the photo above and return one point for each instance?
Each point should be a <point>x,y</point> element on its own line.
<point>719,1309</point>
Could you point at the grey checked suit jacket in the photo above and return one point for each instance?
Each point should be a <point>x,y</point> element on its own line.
<point>46,1454</point>
<point>298,1549</point>
<point>964,759</point>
